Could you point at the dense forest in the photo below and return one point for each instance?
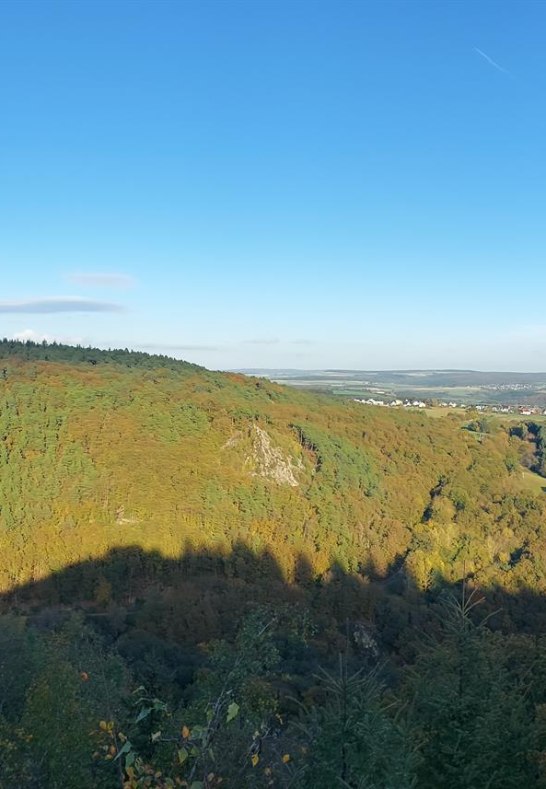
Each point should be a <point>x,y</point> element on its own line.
<point>211,580</point>
<point>74,354</point>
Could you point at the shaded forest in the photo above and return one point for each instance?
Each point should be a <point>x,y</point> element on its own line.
<point>212,670</point>
<point>211,580</point>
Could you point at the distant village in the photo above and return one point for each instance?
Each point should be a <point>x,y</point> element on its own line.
<point>524,410</point>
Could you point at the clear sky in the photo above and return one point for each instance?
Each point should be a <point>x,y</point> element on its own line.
<point>270,183</point>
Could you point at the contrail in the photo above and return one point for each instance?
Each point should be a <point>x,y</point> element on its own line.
<point>491,61</point>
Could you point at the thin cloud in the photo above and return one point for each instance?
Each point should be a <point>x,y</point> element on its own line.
<point>277,341</point>
<point>262,341</point>
<point>162,347</point>
<point>68,304</point>
<point>34,336</point>
<point>528,332</point>
<point>491,62</point>
<point>102,280</point>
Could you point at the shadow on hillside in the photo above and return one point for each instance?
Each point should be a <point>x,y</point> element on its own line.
<point>203,595</point>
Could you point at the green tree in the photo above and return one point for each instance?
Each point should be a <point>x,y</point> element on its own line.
<point>470,709</point>
<point>354,738</point>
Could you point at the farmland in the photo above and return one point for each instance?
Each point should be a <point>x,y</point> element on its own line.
<point>463,387</point>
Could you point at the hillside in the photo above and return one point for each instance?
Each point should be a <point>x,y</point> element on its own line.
<point>77,354</point>
<point>186,532</point>
<point>95,457</point>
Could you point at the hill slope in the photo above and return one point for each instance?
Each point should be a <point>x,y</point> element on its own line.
<point>100,456</point>
<point>210,580</point>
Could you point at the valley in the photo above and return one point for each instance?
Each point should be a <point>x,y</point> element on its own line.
<point>508,392</point>
<point>204,565</point>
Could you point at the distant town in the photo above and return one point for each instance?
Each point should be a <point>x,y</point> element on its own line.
<point>524,410</point>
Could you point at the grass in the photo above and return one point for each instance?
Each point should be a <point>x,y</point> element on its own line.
<point>520,417</point>
<point>533,482</point>
<point>437,411</point>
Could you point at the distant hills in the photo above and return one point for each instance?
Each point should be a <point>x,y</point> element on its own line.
<point>468,386</point>
<point>446,378</point>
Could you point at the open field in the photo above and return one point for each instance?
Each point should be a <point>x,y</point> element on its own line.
<point>539,418</point>
<point>436,412</point>
<point>533,482</point>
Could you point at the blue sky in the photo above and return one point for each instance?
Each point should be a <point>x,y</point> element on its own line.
<point>289,184</point>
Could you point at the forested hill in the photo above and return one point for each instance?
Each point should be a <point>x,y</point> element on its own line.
<point>100,456</point>
<point>208,580</point>
<point>76,354</point>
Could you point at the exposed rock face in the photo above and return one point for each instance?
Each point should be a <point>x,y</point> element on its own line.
<point>232,441</point>
<point>364,640</point>
<point>270,462</point>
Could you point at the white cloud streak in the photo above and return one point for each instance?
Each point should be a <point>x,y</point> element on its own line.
<point>34,336</point>
<point>158,347</point>
<point>276,341</point>
<point>262,341</point>
<point>491,62</point>
<point>61,304</point>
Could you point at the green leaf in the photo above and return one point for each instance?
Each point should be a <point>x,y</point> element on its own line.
<point>126,748</point>
<point>155,736</point>
<point>197,785</point>
<point>144,712</point>
<point>233,711</point>
<point>182,755</point>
